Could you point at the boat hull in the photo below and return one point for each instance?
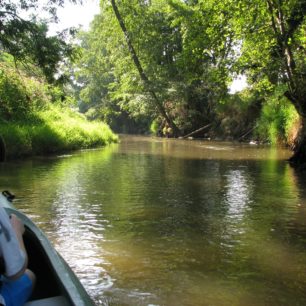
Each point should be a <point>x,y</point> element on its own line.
<point>56,282</point>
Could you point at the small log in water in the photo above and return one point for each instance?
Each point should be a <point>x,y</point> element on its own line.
<point>198,130</point>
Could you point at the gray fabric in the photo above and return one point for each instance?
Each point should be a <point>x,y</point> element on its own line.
<point>14,257</point>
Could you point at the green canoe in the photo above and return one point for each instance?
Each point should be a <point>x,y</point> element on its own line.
<point>56,283</point>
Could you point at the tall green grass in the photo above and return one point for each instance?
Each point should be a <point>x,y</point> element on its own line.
<point>54,130</point>
<point>277,121</point>
<point>34,119</point>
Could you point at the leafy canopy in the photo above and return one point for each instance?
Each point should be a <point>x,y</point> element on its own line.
<point>27,40</point>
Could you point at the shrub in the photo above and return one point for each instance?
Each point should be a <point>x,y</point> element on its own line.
<point>277,120</point>
<point>17,139</point>
<point>154,127</point>
<point>15,103</point>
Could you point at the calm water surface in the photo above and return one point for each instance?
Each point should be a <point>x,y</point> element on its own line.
<point>172,223</point>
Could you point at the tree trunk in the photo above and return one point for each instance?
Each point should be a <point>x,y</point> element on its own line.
<point>299,156</point>
<point>296,93</point>
<point>143,76</point>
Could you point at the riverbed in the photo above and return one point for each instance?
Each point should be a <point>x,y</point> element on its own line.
<point>152,221</point>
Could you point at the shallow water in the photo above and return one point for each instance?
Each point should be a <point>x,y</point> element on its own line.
<point>171,222</point>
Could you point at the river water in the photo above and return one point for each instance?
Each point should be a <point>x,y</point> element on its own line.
<point>166,222</point>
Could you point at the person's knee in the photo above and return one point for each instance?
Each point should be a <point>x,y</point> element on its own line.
<point>31,276</point>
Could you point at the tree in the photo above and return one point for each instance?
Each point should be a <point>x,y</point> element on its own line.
<point>159,105</point>
<point>273,52</point>
<point>178,53</point>
<point>27,40</point>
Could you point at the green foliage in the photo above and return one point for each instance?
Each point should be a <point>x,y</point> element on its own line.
<point>28,40</point>
<point>238,115</point>
<point>183,55</point>
<point>36,118</point>
<point>13,96</point>
<point>189,50</point>
<point>68,130</point>
<point>54,130</point>
<point>17,139</point>
<point>272,50</point>
<point>154,127</point>
<point>21,95</point>
<point>278,118</point>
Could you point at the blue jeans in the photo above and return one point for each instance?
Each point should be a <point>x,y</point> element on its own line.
<point>16,292</point>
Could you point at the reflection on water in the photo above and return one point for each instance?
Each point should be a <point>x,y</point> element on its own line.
<point>172,222</point>
<point>238,193</point>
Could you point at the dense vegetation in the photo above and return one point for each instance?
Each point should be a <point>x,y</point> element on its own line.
<point>166,66</point>
<point>169,64</point>
<point>35,119</point>
<point>38,114</point>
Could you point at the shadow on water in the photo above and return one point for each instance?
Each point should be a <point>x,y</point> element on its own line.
<point>164,222</point>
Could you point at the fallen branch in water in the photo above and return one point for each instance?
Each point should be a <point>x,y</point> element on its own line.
<point>248,132</point>
<point>198,130</point>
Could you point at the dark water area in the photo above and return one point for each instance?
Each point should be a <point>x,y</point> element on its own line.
<point>167,222</point>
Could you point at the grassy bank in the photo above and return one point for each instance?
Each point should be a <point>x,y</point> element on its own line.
<point>37,118</point>
<point>53,130</point>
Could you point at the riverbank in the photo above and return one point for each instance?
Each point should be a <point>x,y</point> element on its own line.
<point>51,131</point>
<point>37,118</point>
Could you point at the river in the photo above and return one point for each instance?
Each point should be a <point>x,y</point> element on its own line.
<point>168,222</point>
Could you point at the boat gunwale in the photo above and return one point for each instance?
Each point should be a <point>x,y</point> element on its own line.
<point>71,285</point>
